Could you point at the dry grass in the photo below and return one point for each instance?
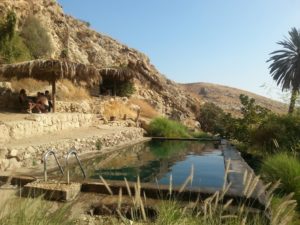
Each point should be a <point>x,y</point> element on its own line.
<point>19,211</point>
<point>118,110</point>
<point>213,210</point>
<point>66,90</point>
<point>30,85</point>
<point>147,110</point>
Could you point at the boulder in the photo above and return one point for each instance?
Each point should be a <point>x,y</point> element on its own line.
<point>13,153</point>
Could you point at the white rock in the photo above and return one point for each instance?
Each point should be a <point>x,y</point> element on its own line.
<point>27,155</point>
<point>13,153</point>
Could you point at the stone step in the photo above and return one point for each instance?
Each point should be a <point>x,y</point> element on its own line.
<point>52,190</point>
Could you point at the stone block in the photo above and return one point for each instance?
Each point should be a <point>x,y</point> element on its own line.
<point>52,190</point>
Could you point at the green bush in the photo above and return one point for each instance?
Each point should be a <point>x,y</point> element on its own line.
<point>36,38</point>
<point>201,134</point>
<point>285,168</point>
<point>125,89</point>
<point>15,50</point>
<point>281,129</point>
<point>214,120</point>
<point>12,47</point>
<point>162,127</point>
<point>210,118</point>
<point>98,144</point>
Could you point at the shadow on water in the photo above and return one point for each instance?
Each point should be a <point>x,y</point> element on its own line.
<point>157,160</point>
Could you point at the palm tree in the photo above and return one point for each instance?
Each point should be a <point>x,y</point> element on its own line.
<point>285,67</point>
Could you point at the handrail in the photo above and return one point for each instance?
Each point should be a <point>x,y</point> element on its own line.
<point>73,152</point>
<point>48,153</point>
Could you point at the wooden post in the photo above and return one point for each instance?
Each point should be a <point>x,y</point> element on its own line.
<point>53,94</point>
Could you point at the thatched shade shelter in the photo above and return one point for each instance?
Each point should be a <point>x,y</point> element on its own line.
<point>120,73</point>
<point>116,75</point>
<point>51,71</point>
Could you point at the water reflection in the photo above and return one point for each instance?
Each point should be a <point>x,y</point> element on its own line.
<point>158,160</point>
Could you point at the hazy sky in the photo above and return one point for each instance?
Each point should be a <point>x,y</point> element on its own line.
<point>219,41</point>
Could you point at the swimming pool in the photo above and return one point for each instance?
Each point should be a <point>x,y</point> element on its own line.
<point>156,161</point>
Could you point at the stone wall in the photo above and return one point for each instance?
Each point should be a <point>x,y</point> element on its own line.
<point>30,156</point>
<point>43,124</point>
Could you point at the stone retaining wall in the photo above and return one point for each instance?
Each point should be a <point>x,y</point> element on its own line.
<point>13,158</point>
<point>40,124</point>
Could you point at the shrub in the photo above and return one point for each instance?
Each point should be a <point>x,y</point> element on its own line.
<point>162,127</point>
<point>283,129</point>
<point>125,89</point>
<point>201,134</point>
<point>98,144</point>
<point>12,47</point>
<point>285,168</point>
<point>36,38</point>
<point>214,120</point>
<point>210,117</point>
<point>121,88</point>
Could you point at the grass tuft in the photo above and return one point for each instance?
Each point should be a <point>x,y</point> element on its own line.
<point>162,127</point>
<point>20,211</point>
<point>285,168</point>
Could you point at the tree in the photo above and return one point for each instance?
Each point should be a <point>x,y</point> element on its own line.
<point>285,66</point>
<point>211,117</point>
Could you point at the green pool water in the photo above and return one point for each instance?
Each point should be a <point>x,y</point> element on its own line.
<point>156,161</point>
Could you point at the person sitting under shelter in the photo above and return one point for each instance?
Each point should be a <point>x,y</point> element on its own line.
<point>42,103</point>
<point>27,105</point>
<point>48,96</point>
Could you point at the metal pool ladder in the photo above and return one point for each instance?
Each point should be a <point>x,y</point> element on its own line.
<point>73,152</point>
<point>48,153</point>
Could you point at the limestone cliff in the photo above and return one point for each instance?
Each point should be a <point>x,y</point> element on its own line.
<point>89,46</point>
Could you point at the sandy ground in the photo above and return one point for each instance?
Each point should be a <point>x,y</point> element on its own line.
<point>8,116</point>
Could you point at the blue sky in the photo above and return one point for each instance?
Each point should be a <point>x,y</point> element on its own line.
<point>219,41</point>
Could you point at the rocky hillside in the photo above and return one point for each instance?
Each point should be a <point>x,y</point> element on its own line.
<point>90,47</point>
<point>228,98</point>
